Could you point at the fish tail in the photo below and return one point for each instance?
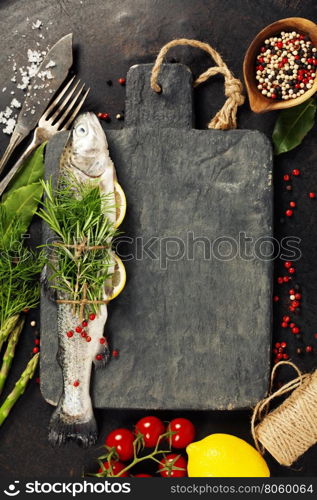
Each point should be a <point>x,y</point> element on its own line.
<point>64,427</point>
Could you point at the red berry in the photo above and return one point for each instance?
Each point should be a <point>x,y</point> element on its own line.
<point>85,323</point>
<point>312,195</point>
<point>296,172</point>
<point>37,341</point>
<point>151,428</point>
<point>286,177</point>
<point>88,339</point>
<point>295,330</point>
<point>116,468</point>
<point>309,348</point>
<point>289,213</point>
<point>166,469</point>
<point>92,316</point>
<point>287,264</point>
<point>102,340</point>
<point>121,81</point>
<point>70,333</point>
<point>291,270</point>
<point>115,353</point>
<point>35,350</point>
<point>78,329</point>
<point>184,432</point>
<point>99,357</point>
<point>76,383</point>
<point>122,440</point>
<point>292,204</point>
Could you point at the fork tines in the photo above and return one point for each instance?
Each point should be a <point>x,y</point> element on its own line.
<point>65,107</point>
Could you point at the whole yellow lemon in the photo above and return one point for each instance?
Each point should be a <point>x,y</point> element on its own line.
<point>223,455</point>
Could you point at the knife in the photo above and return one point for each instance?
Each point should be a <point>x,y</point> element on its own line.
<point>49,77</point>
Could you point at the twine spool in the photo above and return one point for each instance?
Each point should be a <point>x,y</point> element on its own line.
<point>226,118</point>
<point>291,429</point>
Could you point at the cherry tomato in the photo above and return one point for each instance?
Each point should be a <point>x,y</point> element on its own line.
<point>122,440</point>
<point>143,475</point>
<point>117,467</point>
<point>168,463</point>
<point>151,428</point>
<point>185,432</point>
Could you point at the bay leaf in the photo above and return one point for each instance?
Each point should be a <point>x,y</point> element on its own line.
<point>292,126</point>
<point>32,171</point>
<point>21,205</point>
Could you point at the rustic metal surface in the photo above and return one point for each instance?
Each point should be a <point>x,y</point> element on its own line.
<point>109,37</point>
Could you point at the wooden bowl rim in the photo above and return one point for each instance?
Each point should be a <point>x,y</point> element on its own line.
<point>255,95</point>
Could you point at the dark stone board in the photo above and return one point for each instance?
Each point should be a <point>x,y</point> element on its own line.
<point>193,328</point>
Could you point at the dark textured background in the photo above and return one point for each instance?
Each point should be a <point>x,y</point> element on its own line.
<point>110,36</point>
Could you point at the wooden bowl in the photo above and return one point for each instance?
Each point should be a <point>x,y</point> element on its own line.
<point>258,102</point>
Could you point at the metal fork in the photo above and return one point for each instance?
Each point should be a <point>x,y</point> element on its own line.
<point>50,124</point>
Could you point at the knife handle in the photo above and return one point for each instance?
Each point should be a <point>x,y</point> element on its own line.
<point>17,166</point>
<point>16,138</point>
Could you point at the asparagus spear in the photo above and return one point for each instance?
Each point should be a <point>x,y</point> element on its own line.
<point>9,353</point>
<point>7,328</point>
<point>19,388</point>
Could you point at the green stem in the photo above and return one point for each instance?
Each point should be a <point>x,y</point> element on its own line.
<point>136,460</point>
<point>7,328</point>
<point>9,353</point>
<point>19,388</point>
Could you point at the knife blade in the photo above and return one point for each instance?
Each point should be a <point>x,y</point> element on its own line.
<point>49,77</point>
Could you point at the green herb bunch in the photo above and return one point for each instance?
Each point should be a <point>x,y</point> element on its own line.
<point>81,259</point>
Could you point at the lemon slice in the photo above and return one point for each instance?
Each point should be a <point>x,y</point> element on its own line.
<point>121,203</point>
<point>119,278</point>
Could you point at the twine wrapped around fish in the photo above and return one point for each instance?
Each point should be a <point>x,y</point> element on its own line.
<point>81,247</point>
<point>226,118</point>
<point>291,429</point>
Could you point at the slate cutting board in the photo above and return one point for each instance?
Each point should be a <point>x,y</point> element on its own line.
<point>193,330</point>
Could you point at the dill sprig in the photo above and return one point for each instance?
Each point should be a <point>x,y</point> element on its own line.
<point>19,268</point>
<point>78,214</point>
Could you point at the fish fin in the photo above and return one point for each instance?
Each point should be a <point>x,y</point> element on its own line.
<point>63,428</point>
<point>105,353</point>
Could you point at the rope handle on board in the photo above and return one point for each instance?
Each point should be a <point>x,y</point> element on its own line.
<point>226,118</point>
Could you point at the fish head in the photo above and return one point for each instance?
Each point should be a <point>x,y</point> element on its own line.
<point>88,147</point>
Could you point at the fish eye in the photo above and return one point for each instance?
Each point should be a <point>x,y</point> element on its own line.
<point>81,131</point>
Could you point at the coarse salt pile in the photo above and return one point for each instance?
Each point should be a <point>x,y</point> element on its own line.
<point>286,66</point>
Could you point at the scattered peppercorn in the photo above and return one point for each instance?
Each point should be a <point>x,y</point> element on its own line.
<point>35,350</point>
<point>296,172</point>
<point>115,353</point>
<point>109,82</point>
<point>102,340</point>
<point>312,195</point>
<point>76,383</point>
<point>33,323</point>
<point>92,316</point>
<point>37,341</point>
<point>289,213</point>
<point>70,333</point>
<point>88,339</point>
<point>119,116</point>
<point>99,357</point>
<point>84,323</point>
<point>122,81</point>
<point>292,204</point>
<point>309,348</point>
<point>78,329</point>
<point>286,177</point>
